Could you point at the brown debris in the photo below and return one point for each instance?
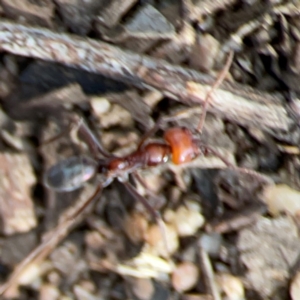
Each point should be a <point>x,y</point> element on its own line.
<point>78,15</point>
<point>17,179</point>
<point>135,104</point>
<point>295,287</point>
<point>118,250</point>
<point>114,11</point>
<point>204,53</point>
<point>179,47</point>
<point>142,288</point>
<point>245,107</point>
<point>33,13</point>
<point>185,276</point>
<point>141,32</point>
<point>269,252</point>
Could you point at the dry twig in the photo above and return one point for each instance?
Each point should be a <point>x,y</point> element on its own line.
<point>70,218</point>
<point>233,101</point>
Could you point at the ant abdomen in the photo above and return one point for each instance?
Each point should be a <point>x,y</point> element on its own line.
<point>182,145</point>
<point>70,174</point>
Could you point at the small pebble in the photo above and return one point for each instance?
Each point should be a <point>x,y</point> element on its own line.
<point>94,240</point>
<point>142,288</point>
<point>100,105</point>
<point>54,277</point>
<point>204,53</point>
<point>88,285</point>
<point>295,287</point>
<point>116,116</point>
<point>135,227</point>
<point>81,293</point>
<point>282,198</point>
<point>115,139</point>
<point>31,273</point>
<point>232,286</point>
<point>187,221</point>
<point>211,243</point>
<point>49,292</point>
<point>155,239</point>
<point>185,276</point>
<point>152,97</point>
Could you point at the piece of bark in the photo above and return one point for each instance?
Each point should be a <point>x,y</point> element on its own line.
<point>147,28</point>
<point>268,249</point>
<point>144,29</point>
<point>67,221</point>
<point>49,104</point>
<point>178,49</point>
<point>238,221</point>
<point>78,15</point>
<point>138,109</point>
<point>17,178</point>
<point>241,105</point>
<point>195,10</point>
<point>114,11</point>
<point>34,14</point>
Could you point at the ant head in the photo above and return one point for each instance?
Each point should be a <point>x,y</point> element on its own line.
<point>102,166</point>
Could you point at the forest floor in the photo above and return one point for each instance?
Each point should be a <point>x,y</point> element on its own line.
<point>77,72</point>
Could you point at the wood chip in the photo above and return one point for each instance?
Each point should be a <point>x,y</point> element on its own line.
<point>17,179</point>
<point>33,13</point>
<point>114,11</point>
<point>268,249</point>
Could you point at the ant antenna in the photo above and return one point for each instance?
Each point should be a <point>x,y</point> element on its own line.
<point>219,80</point>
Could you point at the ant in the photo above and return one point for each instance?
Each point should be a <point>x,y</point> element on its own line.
<point>181,145</point>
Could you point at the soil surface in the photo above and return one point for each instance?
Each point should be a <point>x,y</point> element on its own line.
<point>84,82</point>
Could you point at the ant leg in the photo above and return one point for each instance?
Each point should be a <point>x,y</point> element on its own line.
<point>51,240</point>
<point>154,213</point>
<point>136,176</point>
<point>149,133</point>
<point>206,150</point>
<point>72,124</point>
<point>58,136</point>
<point>154,129</point>
<point>219,80</point>
<point>92,141</point>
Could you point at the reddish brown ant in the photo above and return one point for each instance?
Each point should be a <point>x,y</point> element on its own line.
<point>180,145</point>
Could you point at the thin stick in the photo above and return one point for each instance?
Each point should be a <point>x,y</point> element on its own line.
<point>136,176</point>
<point>244,107</point>
<point>209,275</point>
<point>52,239</point>
<point>219,80</point>
<point>93,142</point>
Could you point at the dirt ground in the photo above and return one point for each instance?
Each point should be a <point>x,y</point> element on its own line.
<point>87,80</point>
